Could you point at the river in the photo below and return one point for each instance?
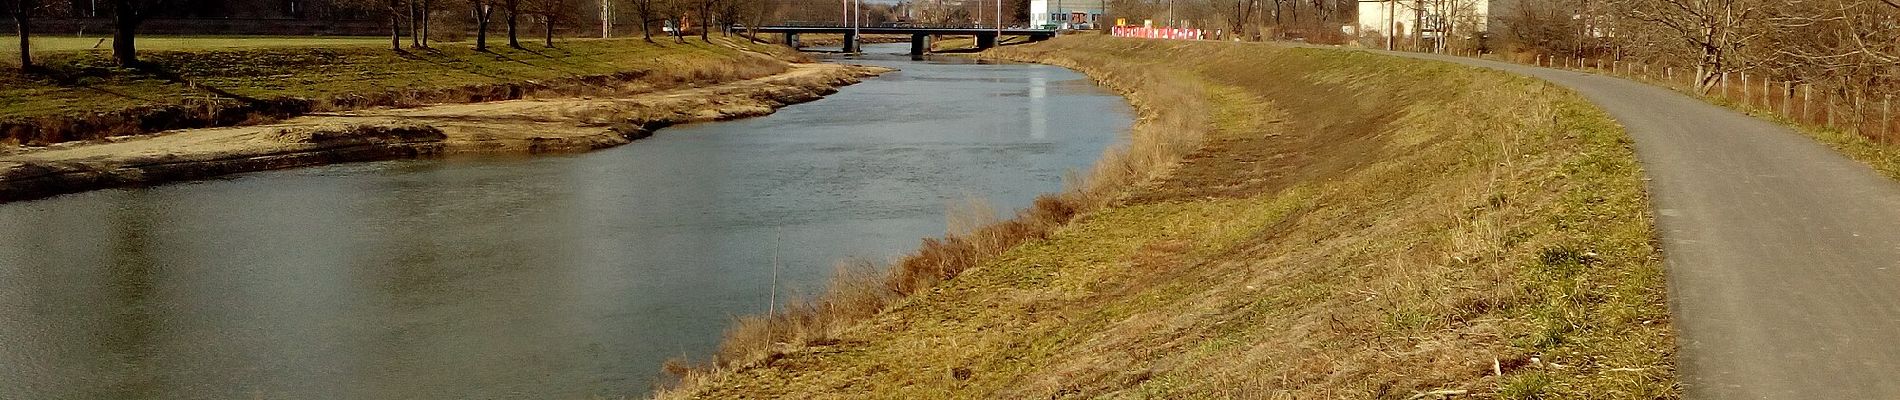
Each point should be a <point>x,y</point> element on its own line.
<point>545,277</point>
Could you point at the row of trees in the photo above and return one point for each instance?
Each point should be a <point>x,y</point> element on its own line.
<point>1840,45</point>
<point>415,15</point>
<point>127,15</point>
<point>411,19</point>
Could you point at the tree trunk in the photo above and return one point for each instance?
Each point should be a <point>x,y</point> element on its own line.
<point>514,10</point>
<point>425,23</point>
<point>415,26</point>
<point>395,28</point>
<point>124,33</point>
<point>547,29</point>
<point>645,9</point>
<point>20,24</point>
<point>481,27</point>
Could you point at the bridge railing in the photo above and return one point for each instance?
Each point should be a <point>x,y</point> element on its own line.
<point>819,24</point>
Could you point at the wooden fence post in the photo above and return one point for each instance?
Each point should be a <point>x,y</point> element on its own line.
<point>1725,89</point>
<point>1787,97</point>
<point>1745,99</point>
<point>1887,114</point>
<point>1767,101</point>
<point>1860,116</point>
<point>1826,105</point>
<point>1807,103</point>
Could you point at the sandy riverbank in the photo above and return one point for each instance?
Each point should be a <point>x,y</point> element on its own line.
<point>505,127</point>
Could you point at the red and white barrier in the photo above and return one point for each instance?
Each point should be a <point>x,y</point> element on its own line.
<point>1157,33</point>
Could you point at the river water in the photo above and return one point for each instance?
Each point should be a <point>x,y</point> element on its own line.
<point>545,277</point>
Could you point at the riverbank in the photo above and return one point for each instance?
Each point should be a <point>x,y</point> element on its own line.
<point>503,127</point>
<point>81,95</point>
<point>1284,222</point>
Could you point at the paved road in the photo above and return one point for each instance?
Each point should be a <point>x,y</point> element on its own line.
<point>1783,256</point>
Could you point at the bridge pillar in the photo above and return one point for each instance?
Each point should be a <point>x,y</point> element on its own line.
<point>850,42</point>
<point>985,40</point>
<point>919,44</point>
<point>791,40</point>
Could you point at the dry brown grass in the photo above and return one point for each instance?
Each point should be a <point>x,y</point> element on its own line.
<point>1287,223</point>
<point>1160,139</point>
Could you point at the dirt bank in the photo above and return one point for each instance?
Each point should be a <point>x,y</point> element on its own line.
<point>1285,223</point>
<point>82,95</point>
<point>516,126</point>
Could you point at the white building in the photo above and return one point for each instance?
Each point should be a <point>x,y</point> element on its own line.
<point>1065,14</point>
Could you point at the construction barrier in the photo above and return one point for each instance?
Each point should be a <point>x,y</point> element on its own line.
<point>1157,33</point>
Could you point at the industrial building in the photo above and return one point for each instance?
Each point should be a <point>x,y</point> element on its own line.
<point>1065,14</point>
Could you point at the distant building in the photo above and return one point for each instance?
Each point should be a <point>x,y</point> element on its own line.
<point>1065,14</point>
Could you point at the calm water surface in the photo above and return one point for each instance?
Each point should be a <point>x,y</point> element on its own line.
<point>547,277</point>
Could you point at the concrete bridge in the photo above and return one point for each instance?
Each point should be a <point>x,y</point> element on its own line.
<point>919,34</point>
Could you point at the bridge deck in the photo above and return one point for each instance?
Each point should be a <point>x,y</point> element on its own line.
<point>880,30</point>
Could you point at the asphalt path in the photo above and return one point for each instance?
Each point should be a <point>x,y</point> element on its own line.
<point>1783,255</point>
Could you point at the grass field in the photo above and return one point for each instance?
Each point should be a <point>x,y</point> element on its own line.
<point>53,44</point>
<point>1286,223</point>
<point>82,94</point>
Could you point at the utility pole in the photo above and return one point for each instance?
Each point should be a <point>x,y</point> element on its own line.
<point>999,21</point>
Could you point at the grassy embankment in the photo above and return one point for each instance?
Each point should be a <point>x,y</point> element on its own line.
<point>81,95</point>
<point>1286,223</point>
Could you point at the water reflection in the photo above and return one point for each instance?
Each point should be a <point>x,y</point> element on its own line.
<point>514,277</point>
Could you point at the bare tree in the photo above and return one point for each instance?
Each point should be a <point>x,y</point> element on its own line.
<point>1243,16</point>
<point>675,12</point>
<point>22,18</point>
<point>484,10</point>
<point>393,7</point>
<point>646,11</point>
<point>551,12</point>
<point>755,14</point>
<point>1546,27</point>
<point>729,14</point>
<point>1714,28</point>
<point>704,9</point>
